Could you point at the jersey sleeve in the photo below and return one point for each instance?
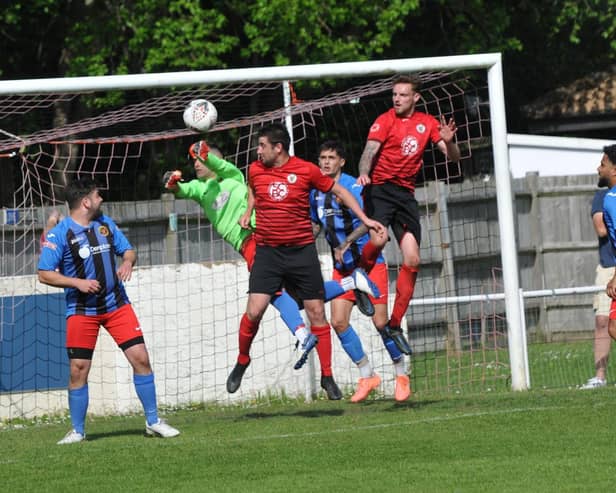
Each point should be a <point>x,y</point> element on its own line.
<point>320,181</point>
<point>52,247</point>
<point>224,169</point>
<point>435,134</point>
<point>597,202</point>
<point>120,242</point>
<point>356,190</point>
<point>193,190</point>
<point>314,217</point>
<point>380,128</point>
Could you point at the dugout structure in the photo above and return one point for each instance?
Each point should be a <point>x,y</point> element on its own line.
<point>189,290</point>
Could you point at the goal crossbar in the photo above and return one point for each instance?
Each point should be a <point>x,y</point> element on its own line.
<point>278,73</point>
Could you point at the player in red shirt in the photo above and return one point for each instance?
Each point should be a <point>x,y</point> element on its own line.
<point>388,168</point>
<point>286,254</point>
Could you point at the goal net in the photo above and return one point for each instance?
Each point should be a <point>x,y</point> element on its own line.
<point>189,289</point>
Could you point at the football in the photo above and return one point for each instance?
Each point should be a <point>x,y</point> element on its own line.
<point>200,115</point>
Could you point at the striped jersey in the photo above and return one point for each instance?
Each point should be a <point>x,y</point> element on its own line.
<point>337,222</point>
<point>87,252</point>
<point>282,201</point>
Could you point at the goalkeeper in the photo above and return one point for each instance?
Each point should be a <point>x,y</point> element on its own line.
<point>221,191</point>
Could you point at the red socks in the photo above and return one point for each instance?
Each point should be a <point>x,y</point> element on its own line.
<point>404,292</point>
<point>324,348</point>
<point>248,331</point>
<point>369,254</point>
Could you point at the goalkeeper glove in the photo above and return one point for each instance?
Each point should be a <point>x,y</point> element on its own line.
<point>171,178</point>
<point>199,150</point>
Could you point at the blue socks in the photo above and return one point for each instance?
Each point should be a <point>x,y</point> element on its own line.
<point>333,289</point>
<point>289,311</point>
<point>352,344</point>
<point>391,347</point>
<point>146,391</point>
<point>78,400</point>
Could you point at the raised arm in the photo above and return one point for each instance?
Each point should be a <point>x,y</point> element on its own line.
<point>447,144</point>
<point>366,161</point>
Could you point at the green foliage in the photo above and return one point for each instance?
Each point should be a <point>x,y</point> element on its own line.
<point>545,44</point>
<point>320,31</point>
<point>116,37</point>
<point>577,17</point>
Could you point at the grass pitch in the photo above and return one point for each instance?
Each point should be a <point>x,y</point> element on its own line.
<point>507,442</point>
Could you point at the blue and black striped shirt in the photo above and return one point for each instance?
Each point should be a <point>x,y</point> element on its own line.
<point>87,253</point>
<point>338,222</point>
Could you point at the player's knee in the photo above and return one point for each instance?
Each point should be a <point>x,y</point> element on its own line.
<point>612,329</point>
<point>339,325</point>
<point>413,261</point>
<point>379,240</point>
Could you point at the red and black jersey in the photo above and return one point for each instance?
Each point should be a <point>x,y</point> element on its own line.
<point>403,141</point>
<point>282,201</point>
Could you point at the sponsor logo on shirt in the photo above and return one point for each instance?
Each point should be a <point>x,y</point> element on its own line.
<point>278,191</point>
<point>409,145</point>
<point>375,127</point>
<point>330,211</point>
<point>221,200</point>
<point>84,252</point>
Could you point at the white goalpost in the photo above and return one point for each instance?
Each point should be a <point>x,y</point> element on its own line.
<point>190,288</point>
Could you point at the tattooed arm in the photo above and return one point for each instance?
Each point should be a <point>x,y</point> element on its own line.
<point>367,161</point>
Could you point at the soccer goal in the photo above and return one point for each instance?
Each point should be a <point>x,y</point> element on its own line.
<point>189,289</point>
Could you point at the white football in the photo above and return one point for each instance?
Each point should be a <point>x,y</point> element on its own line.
<point>200,115</point>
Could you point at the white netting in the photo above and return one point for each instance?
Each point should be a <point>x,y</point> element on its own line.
<point>189,291</point>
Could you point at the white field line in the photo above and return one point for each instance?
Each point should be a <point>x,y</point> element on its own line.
<point>400,423</point>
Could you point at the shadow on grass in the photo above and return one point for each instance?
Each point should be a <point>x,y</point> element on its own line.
<point>395,405</point>
<point>117,433</point>
<point>310,413</point>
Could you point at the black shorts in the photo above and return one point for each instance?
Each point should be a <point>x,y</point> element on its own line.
<point>295,268</point>
<point>395,206</point>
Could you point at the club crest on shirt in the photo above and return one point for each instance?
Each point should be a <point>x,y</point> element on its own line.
<point>103,231</point>
<point>421,128</point>
<point>221,200</point>
<point>278,191</point>
<point>292,178</point>
<point>409,145</point>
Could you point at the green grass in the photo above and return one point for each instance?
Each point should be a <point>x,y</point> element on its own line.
<point>544,441</point>
<point>552,366</point>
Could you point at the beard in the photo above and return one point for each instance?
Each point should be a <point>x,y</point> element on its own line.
<point>603,182</point>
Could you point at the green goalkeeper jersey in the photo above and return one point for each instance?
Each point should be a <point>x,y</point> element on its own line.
<point>223,199</point>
